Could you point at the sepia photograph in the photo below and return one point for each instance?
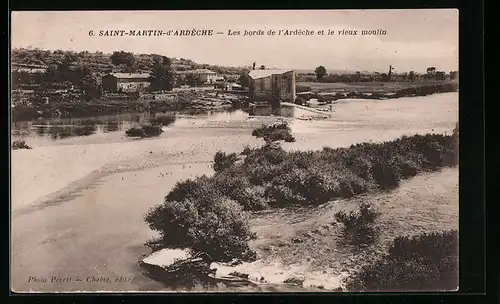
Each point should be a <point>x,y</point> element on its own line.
<point>234,151</point>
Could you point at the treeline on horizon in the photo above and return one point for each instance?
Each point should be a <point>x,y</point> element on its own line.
<point>321,75</point>
<point>118,61</point>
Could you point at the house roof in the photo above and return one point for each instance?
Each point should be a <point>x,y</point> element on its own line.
<point>256,74</point>
<point>130,75</point>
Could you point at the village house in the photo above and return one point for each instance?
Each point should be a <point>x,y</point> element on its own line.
<point>205,76</point>
<point>125,82</point>
<point>272,85</point>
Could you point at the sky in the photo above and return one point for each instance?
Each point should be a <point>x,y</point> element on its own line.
<point>414,39</point>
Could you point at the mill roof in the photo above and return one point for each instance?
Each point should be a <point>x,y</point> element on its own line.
<point>256,74</point>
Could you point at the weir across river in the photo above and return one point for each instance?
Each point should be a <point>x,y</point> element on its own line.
<point>327,114</point>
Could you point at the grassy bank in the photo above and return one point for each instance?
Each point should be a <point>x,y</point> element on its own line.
<point>326,93</point>
<point>425,262</point>
<point>207,214</point>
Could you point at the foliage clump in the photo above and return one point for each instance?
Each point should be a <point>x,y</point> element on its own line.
<point>425,262</point>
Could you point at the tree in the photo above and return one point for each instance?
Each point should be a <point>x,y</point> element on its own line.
<point>87,81</point>
<point>193,80</point>
<point>453,75</point>
<point>320,72</point>
<point>440,75</point>
<point>411,75</point>
<point>122,57</point>
<point>162,77</point>
<point>244,80</point>
<point>431,72</point>
<point>262,67</point>
<point>90,85</point>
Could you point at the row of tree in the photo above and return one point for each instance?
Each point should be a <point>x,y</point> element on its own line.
<point>432,73</point>
<point>103,63</point>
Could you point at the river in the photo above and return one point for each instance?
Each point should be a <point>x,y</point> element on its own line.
<point>80,194</point>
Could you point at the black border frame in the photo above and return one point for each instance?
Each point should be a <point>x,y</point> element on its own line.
<point>472,157</point>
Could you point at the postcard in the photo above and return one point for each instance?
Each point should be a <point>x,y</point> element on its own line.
<point>234,151</point>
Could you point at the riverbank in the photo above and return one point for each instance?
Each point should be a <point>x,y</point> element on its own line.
<point>201,101</point>
<point>191,101</point>
<point>325,92</point>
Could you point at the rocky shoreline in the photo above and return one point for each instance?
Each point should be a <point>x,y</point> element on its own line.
<point>187,101</point>
<point>197,102</point>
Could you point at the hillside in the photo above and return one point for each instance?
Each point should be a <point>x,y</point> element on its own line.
<point>102,63</point>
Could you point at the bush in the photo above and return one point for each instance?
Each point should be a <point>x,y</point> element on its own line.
<point>274,132</point>
<point>246,151</point>
<point>279,135</point>
<point>20,144</point>
<point>426,262</point>
<point>358,226</point>
<point>196,215</point>
<point>146,130</point>
<point>252,197</point>
<point>223,161</point>
<point>206,214</point>
<point>316,177</point>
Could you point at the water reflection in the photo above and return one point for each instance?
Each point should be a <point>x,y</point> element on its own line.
<point>65,128</point>
<point>270,111</point>
<point>56,129</point>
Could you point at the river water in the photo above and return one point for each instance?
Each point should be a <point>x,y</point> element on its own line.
<point>80,194</point>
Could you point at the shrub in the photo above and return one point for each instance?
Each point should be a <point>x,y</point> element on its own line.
<point>247,151</point>
<point>315,177</point>
<point>274,132</point>
<point>223,161</point>
<point>146,130</point>
<point>252,197</point>
<point>386,175</point>
<point>282,196</point>
<point>20,144</point>
<point>358,226</point>
<point>206,214</point>
<point>279,135</point>
<point>426,262</point>
<point>204,221</point>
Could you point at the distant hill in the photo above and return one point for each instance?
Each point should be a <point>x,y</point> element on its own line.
<point>101,63</point>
